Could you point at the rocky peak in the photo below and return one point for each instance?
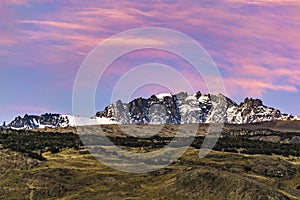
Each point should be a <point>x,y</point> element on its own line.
<point>198,94</point>
<point>153,98</point>
<point>252,103</point>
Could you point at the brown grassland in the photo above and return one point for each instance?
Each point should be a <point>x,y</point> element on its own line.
<point>248,162</point>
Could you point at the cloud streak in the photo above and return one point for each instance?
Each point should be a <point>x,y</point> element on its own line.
<point>63,25</point>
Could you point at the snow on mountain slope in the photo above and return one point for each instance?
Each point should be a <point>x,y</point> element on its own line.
<point>49,120</point>
<point>162,95</point>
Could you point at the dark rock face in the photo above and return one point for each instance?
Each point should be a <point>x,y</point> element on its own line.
<point>253,102</point>
<point>142,110</point>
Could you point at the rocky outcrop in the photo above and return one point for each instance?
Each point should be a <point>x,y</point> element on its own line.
<point>39,121</point>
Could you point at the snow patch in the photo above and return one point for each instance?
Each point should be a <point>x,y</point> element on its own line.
<point>162,95</point>
<point>83,121</point>
<point>204,98</point>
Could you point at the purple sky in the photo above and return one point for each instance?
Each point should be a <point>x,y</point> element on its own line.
<point>255,44</point>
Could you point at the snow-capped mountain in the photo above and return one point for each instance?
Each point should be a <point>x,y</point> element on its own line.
<point>35,121</point>
<point>164,109</point>
<point>199,108</point>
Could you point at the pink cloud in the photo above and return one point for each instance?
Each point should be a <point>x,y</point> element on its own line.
<point>253,87</point>
<point>7,41</point>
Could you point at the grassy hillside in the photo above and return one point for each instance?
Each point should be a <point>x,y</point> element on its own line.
<point>54,164</point>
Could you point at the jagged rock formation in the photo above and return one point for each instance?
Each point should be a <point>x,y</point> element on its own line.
<point>199,108</point>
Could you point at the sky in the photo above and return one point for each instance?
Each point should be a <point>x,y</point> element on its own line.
<point>255,45</point>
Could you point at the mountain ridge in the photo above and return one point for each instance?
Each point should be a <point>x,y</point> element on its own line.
<point>197,108</point>
<point>165,108</point>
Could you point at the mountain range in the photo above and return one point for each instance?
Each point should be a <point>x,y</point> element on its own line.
<point>164,108</point>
